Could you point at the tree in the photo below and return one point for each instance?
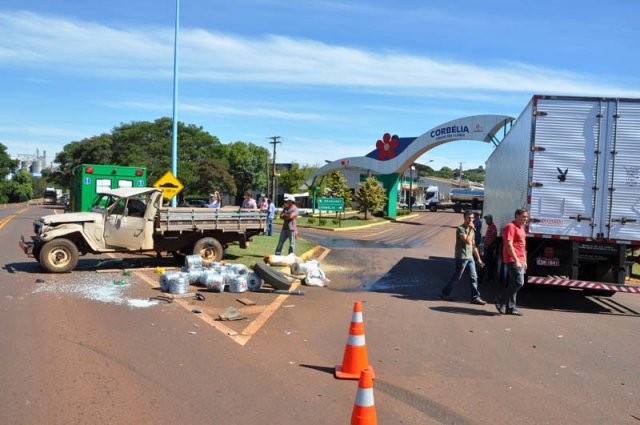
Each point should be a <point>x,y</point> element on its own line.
<point>247,166</point>
<point>215,176</point>
<point>370,196</point>
<point>6,163</point>
<point>445,173</point>
<point>338,187</point>
<point>20,188</point>
<point>92,150</point>
<point>293,178</point>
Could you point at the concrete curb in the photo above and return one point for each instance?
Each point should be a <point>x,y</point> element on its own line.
<point>364,226</point>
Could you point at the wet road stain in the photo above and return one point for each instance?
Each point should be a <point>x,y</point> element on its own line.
<point>357,243</point>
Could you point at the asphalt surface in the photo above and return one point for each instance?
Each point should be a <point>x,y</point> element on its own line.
<point>78,349</point>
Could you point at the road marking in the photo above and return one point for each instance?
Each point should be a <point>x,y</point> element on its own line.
<point>6,220</point>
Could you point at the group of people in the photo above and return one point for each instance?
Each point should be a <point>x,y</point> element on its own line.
<point>467,255</point>
<point>289,215</point>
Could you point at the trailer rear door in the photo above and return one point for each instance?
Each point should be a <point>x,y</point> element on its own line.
<point>621,189</point>
<point>567,133</point>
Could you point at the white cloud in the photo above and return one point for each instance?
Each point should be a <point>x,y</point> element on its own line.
<point>28,39</point>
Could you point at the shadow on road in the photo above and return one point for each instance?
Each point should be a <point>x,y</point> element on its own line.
<point>420,279</point>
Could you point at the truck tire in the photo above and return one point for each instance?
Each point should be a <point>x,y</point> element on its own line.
<point>272,276</point>
<point>58,256</point>
<point>457,209</point>
<point>433,208</point>
<point>209,249</point>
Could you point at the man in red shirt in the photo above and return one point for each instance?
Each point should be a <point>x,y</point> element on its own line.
<point>514,256</point>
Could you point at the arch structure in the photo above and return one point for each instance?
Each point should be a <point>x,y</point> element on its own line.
<point>394,154</point>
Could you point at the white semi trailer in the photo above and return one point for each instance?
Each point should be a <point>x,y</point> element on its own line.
<point>574,163</point>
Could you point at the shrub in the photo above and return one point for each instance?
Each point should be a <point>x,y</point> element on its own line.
<point>335,221</point>
<point>311,220</point>
<point>322,222</point>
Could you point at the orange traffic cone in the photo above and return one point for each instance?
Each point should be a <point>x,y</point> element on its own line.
<point>364,409</point>
<point>355,353</point>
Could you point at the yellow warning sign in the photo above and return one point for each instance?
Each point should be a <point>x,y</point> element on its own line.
<point>169,185</point>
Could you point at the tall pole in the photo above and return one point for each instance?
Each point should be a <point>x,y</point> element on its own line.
<point>411,188</point>
<point>266,169</point>
<point>174,140</point>
<point>274,141</point>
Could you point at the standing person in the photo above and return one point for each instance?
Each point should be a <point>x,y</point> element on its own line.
<point>489,250</point>
<point>288,215</point>
<point>271,214</point>
<point>514,256</point>
<point>214,200</point>
<point>477,224</point>
<point>465,251</point>
<point>249,203</point>
<point>264,204</point>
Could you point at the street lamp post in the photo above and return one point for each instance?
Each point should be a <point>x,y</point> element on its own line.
<point>411,187</point>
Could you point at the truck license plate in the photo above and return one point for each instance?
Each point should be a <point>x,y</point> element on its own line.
<point>549,262</point>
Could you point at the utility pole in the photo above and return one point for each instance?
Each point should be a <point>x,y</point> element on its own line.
<point>274,194</point>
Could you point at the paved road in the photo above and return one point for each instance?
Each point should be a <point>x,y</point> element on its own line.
<point>77,349</point>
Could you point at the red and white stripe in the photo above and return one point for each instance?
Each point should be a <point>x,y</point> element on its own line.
<point>582,284</point>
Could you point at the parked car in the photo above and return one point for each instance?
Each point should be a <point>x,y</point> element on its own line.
<point>196,202</point>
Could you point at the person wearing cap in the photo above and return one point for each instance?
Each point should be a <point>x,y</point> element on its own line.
<point>288,215</point>
<point>465,251</point>
<point>489,251</point>
<point>214,200</point>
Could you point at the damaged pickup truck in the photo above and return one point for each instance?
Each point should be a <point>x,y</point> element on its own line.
<point>133,220</point>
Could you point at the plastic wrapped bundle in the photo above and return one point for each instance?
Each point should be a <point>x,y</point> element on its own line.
<point>193,275</point>
<point>192,262</point>
<point>165,278</point>
<point>254,282</point>
<point>238,283</point>
<point>239,269</point>
<point>179,284</point>
<point>303,268</point>
<point>213,280</point>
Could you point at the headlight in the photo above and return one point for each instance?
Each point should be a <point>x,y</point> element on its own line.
<point>37,227</point>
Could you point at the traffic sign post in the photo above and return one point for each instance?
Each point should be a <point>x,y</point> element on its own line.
<point>331,204</point>
<point>169,185</point>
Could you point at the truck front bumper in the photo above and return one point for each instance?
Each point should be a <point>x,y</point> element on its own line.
<point>26,246</point>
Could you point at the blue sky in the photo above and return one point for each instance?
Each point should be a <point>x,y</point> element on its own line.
<point>329,77</point>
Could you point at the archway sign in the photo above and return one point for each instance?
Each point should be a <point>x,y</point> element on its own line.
<point>394,154</point>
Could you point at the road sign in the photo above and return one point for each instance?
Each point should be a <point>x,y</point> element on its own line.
<point>331,204</point>
<point>169,185</point>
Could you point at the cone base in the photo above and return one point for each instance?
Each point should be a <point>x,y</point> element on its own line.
<point>340,374</point>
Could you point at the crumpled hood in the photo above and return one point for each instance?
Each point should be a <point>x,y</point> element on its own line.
<point>78,217</point>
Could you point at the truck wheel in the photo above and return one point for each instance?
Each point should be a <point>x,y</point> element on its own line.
<point>58,256</point>
<point>434,208</point>
<point>210,249</point>
<point>272,276</point>
<point>457,209</point>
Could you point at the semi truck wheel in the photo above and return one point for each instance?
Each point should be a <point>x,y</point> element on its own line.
<point>58,256</point>
<point>210,249</point>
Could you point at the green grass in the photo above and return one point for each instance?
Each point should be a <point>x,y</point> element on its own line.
<point>260,247</point>
<point>331,222</point>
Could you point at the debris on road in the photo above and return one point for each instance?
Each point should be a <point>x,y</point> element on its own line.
<point>231,313</point>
